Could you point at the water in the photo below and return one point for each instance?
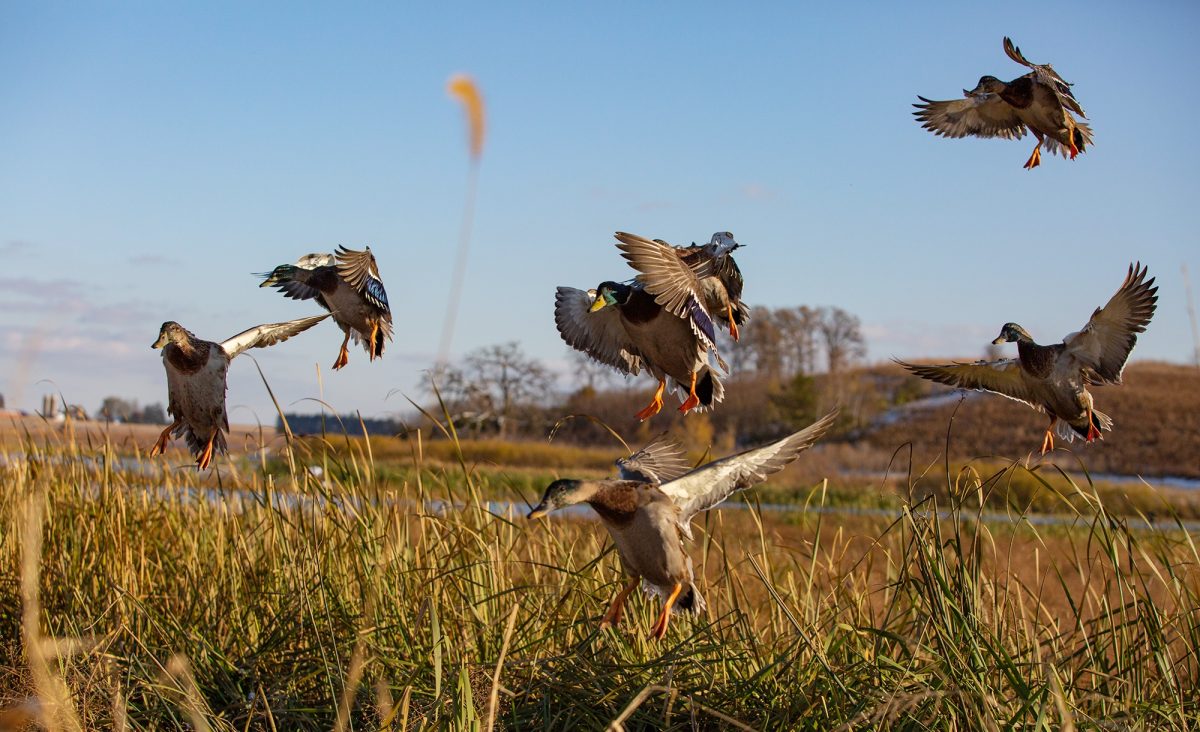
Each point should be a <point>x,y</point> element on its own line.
<point>239,499</point>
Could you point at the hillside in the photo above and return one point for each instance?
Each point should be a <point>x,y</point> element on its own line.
<point>1156,424</point>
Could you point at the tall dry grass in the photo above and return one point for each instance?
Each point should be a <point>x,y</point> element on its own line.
<point>141,595</point>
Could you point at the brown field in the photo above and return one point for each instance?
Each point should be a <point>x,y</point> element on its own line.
<point>1156,426</point>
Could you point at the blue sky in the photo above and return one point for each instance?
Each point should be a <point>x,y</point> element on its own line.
<point>153,155</point>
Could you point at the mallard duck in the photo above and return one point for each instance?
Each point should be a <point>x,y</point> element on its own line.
<point>1040,101</point>
<point>347,284</point>
<point>677,275</point>
<point>624,327</point>
<point>196,381</point>
<point>648,511</point>
<point>1053,379</point>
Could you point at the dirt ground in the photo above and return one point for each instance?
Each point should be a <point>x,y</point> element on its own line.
<point>123,437</point>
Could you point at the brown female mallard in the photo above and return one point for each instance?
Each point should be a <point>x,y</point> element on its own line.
<point>348,285</point>
<point>1040,101</point>
<point>648,511</point>
<point>1053,379</point>
<point>196,371</point>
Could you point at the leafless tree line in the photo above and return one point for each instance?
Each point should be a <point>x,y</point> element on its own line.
<point>781,342</point>
<point>500,390</point>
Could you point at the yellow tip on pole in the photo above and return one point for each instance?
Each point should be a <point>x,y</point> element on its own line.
<point>463,88</point>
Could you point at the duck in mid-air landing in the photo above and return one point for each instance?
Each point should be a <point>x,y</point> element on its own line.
<point>623,326</point>
<point>196,371</point>
<point>648,511</point>
<point>348,285</point>
<point>1054,379</point>
<point>678,275</point>
<point>1040,101</point>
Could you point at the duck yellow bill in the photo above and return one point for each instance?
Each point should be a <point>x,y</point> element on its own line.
<point>538,512</point>
<point>162,341</point>
<point>600,303</point>
<point>999,340</point>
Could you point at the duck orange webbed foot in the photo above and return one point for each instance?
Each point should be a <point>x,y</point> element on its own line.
<point>1047,442</point>
<point>1048,439</point>
<point>161,446</point>
<point>343,355</point>
<point>692,401</point>
<point>659,631</point>
<point>376,345</point>
<point>613,615</point>
<point>1035,159</point>
<point>206,454</point>
<point>1093,434</point>
<point>655,406</point>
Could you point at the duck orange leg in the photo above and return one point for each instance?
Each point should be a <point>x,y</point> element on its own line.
<point>1035,159</point>
<point>1071,141</point>
<point>655,405</point>
<point>206,454</point>
<point>374,336</point>
<point>660,627</point>
<point>343,355</point>
<point>1092,433</point>
<point>1048,440</point>
<point>733,329</point>
<point>692,401</point>
<point>613,614</point>
<point>161,446</point>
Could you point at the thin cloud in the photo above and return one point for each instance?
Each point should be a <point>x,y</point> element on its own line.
<point>17,248</point>
<point>758,192</point>
<point>153,260</point>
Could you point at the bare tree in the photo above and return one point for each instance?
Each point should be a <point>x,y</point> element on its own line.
<point>842,336</point>
<point>116,409</point>
<point>495,384</point>
<point>798,328</point>
<point>808,328</point>
<point>589,373</point>
<point>763,339</point>
<point>151,414</point>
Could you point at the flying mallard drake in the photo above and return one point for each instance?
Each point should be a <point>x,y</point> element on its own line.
<point>677,275</point>
<point>624,327</point>
<point>196,372</point>
<point>348,285</point>
<point>1040,101</point>
<point>1053,379</point>
<point>648,511</point>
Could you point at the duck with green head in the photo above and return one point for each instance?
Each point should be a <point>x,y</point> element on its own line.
<point>622,326</point>
<point>1053,379</point>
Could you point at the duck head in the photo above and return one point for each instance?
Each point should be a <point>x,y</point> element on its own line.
<point>562,493</point>
<point>722,243</point>
<point>1012,333</point>
<point>172,332</point>
<point>610,293</point>
<point>986,85</point>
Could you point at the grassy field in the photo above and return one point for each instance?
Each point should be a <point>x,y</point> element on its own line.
<point>148,597</point>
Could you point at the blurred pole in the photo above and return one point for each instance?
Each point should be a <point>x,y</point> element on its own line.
<point>463,88</point>
<point>1191,308</point>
